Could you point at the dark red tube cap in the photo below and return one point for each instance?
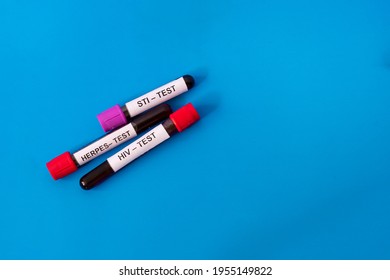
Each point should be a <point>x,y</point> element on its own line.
<point>184,117</point>
<point>61,166</point>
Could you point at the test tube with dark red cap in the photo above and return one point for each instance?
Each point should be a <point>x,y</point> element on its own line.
<point>68,163</point>
<point>117,116</point>
<point>177,122</point>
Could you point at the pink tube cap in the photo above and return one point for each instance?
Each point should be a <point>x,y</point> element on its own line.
<point>112,118</point>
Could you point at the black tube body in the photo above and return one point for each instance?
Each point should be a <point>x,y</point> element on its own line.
<point>96,176</point>
<point>150,118</point>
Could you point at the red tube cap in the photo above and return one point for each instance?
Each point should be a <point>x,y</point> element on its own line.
<point>61,166</point>
<point>184,117</point>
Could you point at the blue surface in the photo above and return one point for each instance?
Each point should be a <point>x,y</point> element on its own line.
<point>290,160</point>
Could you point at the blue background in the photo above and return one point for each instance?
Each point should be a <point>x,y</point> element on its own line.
<point>289,161</point>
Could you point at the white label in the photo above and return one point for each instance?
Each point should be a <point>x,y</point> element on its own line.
<point>105,144</point>
<point>156,97</point>
<point>138,147</point>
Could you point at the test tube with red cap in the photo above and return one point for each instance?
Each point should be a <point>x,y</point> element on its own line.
<point>177,122</point>
<point>68,163</point>
<point>117,115</point>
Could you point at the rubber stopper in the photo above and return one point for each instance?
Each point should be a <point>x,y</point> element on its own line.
<point>112,118</point>
<point>184,117</point>
<point>61,166</point>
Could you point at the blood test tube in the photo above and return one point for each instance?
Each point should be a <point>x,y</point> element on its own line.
<point>68,163</point>
<point>177,122</point>
<point>117,115</point>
